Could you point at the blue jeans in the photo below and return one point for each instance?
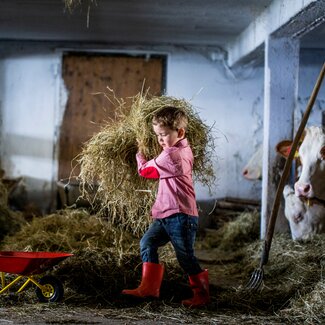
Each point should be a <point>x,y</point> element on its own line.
<point>180,229</point>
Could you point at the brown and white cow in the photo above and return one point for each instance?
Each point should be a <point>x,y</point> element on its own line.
<point>304,206</point>
<point>311,183</point>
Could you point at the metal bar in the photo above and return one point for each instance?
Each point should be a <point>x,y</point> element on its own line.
<point>24,285</point>
<point>11,284</point>
<point>36,283</point>
<point>3,282</point>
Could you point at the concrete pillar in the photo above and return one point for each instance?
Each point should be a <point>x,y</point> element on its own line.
<point>280,97</point>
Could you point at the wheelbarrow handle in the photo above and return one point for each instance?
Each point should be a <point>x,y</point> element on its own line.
<point>286,171</point>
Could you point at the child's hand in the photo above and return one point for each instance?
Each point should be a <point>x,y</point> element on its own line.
<point>141,147</point>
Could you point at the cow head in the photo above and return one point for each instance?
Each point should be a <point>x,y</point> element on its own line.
<point>311,183</point>
<point>294,209</point>
<point>253,169</point>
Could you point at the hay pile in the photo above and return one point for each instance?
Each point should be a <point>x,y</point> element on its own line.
<point>108,158</point>
<point>71,231</point>
<point>244,228</point>
<point>294,279</point>
<point>105,258</point>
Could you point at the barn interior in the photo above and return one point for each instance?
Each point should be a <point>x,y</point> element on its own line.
<point>248,68</point>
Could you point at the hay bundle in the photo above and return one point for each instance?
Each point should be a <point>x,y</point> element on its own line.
<point>109,158</point>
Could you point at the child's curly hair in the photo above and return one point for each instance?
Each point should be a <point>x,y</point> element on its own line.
<point>171,117</point>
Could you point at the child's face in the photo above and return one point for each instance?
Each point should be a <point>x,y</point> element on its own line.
<point>167,137</point>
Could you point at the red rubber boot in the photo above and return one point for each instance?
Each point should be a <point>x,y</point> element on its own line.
<point>200,287</point>
<point>152,275</point>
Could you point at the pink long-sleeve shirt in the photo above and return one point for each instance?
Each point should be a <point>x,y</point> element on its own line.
<point>173,168</point>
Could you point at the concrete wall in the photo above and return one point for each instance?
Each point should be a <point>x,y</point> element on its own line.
<point>28,99</point>
<point>311,61</point>
<point>32,101</point>
<point>234,105</point>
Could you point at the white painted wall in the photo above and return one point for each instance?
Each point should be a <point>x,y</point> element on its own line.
<point>312,62</point>
<point>32,105</point>
<point>234,104</point>
<point>28,96</point>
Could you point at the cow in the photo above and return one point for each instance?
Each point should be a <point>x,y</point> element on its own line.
<point>311,183</point>
<point>305,204</point>
<point>253,169</point>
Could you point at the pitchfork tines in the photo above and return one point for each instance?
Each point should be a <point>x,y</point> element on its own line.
<point>255,280</point>
<point>257,276</point>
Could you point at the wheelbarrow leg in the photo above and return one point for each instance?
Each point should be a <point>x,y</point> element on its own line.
<point>3,282</point>
<point>11,284</point>
<point>25,285</point>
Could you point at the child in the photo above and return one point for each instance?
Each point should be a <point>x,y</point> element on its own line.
<point>174,211</point>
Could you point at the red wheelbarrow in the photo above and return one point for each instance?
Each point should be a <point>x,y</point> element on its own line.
<point>28,266</point>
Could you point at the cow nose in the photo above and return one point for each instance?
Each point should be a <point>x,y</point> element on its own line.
<point>303,189</point>
<point>245,172</point>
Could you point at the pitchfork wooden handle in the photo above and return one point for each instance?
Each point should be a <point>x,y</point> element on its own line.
<point>287,166</point>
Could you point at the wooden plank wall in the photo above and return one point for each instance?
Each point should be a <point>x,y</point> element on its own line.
<point>85,75</point>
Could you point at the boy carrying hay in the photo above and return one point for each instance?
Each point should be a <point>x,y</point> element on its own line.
<point>174,211</point>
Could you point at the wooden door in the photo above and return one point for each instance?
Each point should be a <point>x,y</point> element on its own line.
<point>85,112</point>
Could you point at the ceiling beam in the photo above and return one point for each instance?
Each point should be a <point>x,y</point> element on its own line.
<point>283,18</point>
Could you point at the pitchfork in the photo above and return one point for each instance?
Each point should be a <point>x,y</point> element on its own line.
<point>257,276</point>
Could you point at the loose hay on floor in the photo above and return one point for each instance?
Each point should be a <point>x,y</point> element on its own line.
<point>71,231</point>
<point>105,257</point>
<point>293,290</point>
<point>244,228</point>
<point>108,159</point>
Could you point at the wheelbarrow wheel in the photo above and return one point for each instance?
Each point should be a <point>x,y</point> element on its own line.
<point>52,289</point>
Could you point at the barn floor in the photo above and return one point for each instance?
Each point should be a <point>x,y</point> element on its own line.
<point>24,309</point>
<point>31,314</point>
<point>230,303</point>
<point>293,290</point>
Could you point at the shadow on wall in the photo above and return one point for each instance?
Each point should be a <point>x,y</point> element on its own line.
<point>27,146</point>
<point>29,159</point>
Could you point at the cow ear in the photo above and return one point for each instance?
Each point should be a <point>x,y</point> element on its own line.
<point>322,153</point>
<point>283,148</point>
